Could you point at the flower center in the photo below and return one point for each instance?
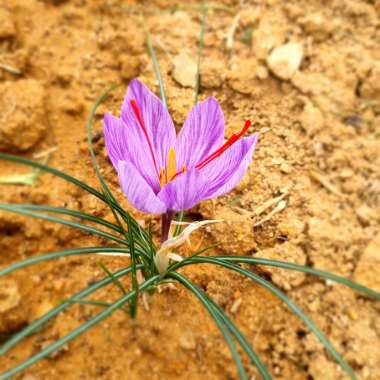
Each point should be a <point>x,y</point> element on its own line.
<point>166,176</point>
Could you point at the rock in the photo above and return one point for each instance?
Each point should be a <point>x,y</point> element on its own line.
<point>346,173</point>
<point>130,66</point>
<point>370,87</point>
<point>311,119</point>
<point>262,72</point>
<point>12,315</point>
<point>7,26</point>
<point>365,215</point>
<point>285,60</point>
<point>286,168</point>
<point>185,70</point>
<point>212,74</point>
<point>242,76</point>
<point>9,295</point>
<point>367,271</point>
<point>22,114</point>
<point>187,340</point>
<point>322,369</point>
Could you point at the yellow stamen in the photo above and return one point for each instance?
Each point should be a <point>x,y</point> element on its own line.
<point>183,168</point>
<point>172,166</point>
<point>162,178</point>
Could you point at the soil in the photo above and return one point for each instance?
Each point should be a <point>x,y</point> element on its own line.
<point>317,111</point>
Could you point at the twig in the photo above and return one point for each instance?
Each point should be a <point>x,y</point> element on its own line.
<point>281,206</point>
<point>10,69</point>
<point>325,183</point>
<point>231,32</point>
<point>45,152</point>
<point>261,209</point>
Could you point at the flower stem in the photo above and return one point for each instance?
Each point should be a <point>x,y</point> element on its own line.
<point>165,224</point>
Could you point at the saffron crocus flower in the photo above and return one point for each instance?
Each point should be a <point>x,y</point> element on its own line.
<point>160,172</point>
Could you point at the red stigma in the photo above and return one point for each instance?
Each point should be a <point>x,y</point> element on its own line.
<point>235,137</point>
<point>137,113</point>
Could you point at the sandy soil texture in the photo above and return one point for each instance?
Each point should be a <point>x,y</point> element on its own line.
<point>307,73</point>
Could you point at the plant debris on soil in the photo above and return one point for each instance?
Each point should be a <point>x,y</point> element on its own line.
<point>308,76</point>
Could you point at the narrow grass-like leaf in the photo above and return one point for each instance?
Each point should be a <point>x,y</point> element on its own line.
<point>292,306</point>
<point>229,324</point>
<point>92,303</point>
<point>156,65</point>
<point>111,200</point>
<point>91,230</point>
<point>76,332</point>
<point>56,255</point>
<point>129,236</point>
<point>66,177</point>
<point>301,268</point>
<point>112,277</point>
<point>242,341</point>
<point>173,267</point>
<point>87,302</point>
<point>135,285</point>
<point>35,325</point>
<point>77,214</point>
<point>56,172</point>
<point>218,320</point>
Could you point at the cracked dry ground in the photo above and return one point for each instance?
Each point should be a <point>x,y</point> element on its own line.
<point>311,196</point>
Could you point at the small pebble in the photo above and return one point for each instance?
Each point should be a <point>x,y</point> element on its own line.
<point>285,60</point>
<point>185,70</point>
<point>286,168</point>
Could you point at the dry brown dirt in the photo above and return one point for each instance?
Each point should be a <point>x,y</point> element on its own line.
<point>318,116</point>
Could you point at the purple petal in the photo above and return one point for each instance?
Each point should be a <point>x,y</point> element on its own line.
<point>158,124</point>
<point>115,136</point>
<point>225,172</point>
<point>185,191</point>
<point>119,147</point>
<point>201,134</point>
<point>137,191</point>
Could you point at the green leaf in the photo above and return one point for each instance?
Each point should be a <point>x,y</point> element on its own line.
<point>76,332</point>
<point>292,306</point>
<point>132,234</point>
<point>211,305</point>
<point>56,255</point>
<point>112,277</point>
<point>35,325</point>
<point>68,178</point>
<point>156,65</point>
<point>304,269</point>
<point>218,320</point>
<point>94,231</point>
<point>78,214</point>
